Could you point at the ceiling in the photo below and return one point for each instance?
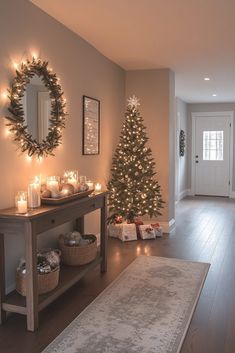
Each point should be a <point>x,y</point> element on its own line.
<point>195,38</point>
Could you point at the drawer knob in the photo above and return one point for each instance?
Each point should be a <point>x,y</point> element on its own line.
<point>52,221</point>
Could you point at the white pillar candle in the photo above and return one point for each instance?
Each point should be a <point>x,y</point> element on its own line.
<point>90,185</point>
<point>98,187</point>
<point>22,206</point>
<point>34,189</point>
<point>21,202</point>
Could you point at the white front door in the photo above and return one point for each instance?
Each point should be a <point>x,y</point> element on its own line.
<point>212,155</point>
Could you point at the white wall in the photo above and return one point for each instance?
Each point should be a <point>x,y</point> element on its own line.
<point>181,179</point>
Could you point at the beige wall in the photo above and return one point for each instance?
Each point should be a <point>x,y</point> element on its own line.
<point>83,70</point>
<point>207,107</point>
<point>155,88</point>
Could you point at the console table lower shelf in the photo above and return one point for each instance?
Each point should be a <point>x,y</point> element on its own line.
<point>31,225</point>
<point>69,276</point>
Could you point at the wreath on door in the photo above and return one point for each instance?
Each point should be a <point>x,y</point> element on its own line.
<point>182,143</point>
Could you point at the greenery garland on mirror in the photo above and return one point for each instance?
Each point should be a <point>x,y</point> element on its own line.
<point>17,124</point>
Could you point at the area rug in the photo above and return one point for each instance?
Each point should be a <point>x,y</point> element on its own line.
<point>147,309</point>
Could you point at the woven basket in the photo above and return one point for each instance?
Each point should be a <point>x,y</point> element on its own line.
<point>46,282</point>
<point>78,255</point>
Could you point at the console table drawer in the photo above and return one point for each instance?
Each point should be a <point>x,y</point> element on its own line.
<point>62,216</point>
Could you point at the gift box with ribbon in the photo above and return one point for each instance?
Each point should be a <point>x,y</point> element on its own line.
<point>157,229</point>
<point>123,231</point>
<point>147,231</point>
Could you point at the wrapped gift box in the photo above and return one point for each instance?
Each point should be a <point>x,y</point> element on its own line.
<point>147,231</point>
<point>158,232</point>
<point>123,231</point>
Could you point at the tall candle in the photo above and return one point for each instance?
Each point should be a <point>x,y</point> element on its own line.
<point>34,196</point>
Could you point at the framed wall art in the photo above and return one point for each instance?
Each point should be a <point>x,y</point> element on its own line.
<point>91,126</point>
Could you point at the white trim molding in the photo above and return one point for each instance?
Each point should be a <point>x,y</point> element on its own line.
<point>183,194</point>
<point>207,114</point>
<point>167,227</point>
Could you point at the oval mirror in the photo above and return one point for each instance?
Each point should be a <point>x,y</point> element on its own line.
<point>37,109</point>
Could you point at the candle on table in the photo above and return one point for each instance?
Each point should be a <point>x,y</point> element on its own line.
<point>90,185</point>
<point>71,177</point>
<point>53,183</point>
<point>98,187</point>
<point>34,197</point>
<point>82,179</point>
<point>22,204</point>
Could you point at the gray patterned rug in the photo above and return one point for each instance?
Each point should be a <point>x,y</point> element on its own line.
<point>147,309</point>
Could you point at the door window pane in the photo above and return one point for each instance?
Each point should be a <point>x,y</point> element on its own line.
<point>213,145</point>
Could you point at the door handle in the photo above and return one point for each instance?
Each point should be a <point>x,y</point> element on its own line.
<point>196,156</point>
<point>196,162</point>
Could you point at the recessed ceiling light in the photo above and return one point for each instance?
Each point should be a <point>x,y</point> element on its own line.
<point>214,95</point>
<point>206,78</point>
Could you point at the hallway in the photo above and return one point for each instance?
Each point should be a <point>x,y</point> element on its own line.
<point>204,232</point>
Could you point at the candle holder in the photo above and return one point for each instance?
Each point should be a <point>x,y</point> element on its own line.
<point>71,177</point>
<point>90,184</point>
<point>21,202</point>
<point>34,192</point>
<point>82,180</point>
<point>98,187</point>
<point>53,184</point>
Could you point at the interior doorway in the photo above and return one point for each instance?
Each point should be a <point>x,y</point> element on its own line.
<point>212,151</point>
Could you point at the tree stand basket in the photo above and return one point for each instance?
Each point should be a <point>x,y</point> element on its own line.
<point>46,282</point>
<point>78,255</point>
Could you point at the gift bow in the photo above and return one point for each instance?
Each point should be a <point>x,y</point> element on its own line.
<point>118,220</point>
<point>148,230</point>
<point>155,226</point>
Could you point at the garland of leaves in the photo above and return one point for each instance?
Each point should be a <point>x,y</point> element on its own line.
<point>17,121</point>
<point>182,143</point>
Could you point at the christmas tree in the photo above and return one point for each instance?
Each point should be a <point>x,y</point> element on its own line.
<point>134,191</point>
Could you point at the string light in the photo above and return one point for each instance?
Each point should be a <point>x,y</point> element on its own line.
<point>28,158</point>
<point>40,159</point>
<point>7,132</point>
<point>34,55</point>
<point>15,65</point>
<point>4,95</point>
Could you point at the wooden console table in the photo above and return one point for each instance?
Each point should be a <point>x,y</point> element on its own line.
<point>33,223</point>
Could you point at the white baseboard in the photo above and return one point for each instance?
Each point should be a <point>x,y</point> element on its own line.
<point>183,194</point>
<point>167,227</point>
<point>190,192</point>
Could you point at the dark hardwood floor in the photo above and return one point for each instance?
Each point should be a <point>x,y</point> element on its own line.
<point>205,231</point>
